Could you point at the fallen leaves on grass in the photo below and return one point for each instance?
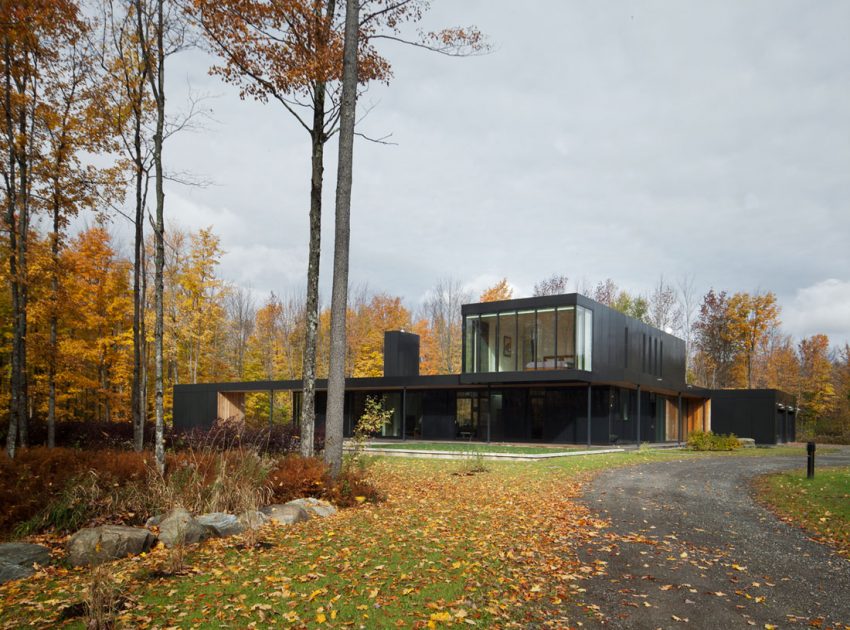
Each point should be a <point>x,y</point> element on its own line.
<point>496,549</point>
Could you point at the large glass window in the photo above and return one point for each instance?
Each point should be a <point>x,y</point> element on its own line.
<point>566,327</point>
<point>507,332</point>
<point>487,343</point>
<point>525,343</point>
<point>545,339</point>
<point>470,326</point>
<point>584,338</point>
<point>464,414</point>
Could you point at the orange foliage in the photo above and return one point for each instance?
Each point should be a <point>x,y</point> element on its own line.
<point>499,291</point>
<point>367,322</point>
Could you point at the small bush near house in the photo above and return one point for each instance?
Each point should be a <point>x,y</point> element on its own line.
<point>708,441</point>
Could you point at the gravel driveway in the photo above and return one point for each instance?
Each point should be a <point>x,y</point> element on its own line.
<point>688,547</point>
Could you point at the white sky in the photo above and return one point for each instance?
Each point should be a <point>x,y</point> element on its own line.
<point>601,138</point>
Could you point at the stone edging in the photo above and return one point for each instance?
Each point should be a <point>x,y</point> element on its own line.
<point>403,452</point>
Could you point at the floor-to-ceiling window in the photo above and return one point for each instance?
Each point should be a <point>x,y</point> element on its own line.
<point>545,339</point>
<point>533,339</point>
<point>525,344</point>
<point>488,345</point>
<point>566,334</point>
<point>470,344</point>
<point>584,338</point>
<point>507,343</point>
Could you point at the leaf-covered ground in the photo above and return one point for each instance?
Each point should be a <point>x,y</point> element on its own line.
<point>820,505</point>
<point>490,549</point>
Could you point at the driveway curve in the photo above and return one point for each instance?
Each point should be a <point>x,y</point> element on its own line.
<point>689,547</point>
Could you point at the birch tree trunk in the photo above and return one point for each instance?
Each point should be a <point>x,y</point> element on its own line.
<point>342,235</point>
<point>308,406</point>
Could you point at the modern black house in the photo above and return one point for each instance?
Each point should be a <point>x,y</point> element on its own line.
<point>556,369</point>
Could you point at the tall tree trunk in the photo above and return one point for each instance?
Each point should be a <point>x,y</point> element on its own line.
<point>23,237</point>
<point>143,342</point>
<point>11,226</point>
<point>138,297</point>
<point>308,407</point>
<point>157,83</point>
<point>54,326</point>
<point>342,234</point>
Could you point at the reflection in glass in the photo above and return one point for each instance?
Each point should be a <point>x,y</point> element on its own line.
<point>487,343</point>
<point>566,353</point>
<point>507,332</point>
<point>584,338</point>
<point>525,345</point>
<point>546,339</point>
<point>471,330</point>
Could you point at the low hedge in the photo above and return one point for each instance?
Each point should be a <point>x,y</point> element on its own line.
<point>708,441</point>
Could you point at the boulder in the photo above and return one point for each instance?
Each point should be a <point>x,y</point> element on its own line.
<point>17,560</point>
<point>221,524</point>
<point>24,554</point>
<point>154,521</point>
<point>95,545</point>
<point>285,514</point>
<point>178,527</point>
<point>253,519</point>
<point>314,507</point>
<point>9,572</point>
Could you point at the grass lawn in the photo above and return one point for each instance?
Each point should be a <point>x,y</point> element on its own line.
<point>476,447</point>
<point>490,549</point>
<point>821,505</point>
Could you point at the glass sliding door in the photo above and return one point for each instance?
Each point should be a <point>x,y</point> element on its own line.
<point>526,344</point>
<point>545,339</point>
<point>508,342</point>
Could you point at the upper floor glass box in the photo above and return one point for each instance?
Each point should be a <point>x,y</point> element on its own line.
<point>519,340</point>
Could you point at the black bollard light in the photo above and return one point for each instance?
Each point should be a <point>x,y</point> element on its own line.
<point>810,469</point>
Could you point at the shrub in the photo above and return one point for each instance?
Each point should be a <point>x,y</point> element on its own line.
<point>102,599</point>
<point>208,481</point>
<point>64,489</point>
<point>708,441</point>
<point>295,476</point>
<point>55,484</point>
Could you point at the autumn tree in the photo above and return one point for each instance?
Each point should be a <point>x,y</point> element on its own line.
<point>290,52</point>
<point>662,309</point>
<point>751,318</point>
<point>442,312</point>
<point>777,365</point>
<point>367,322</point>
<point>77,124</point>
<point>161,32</point>
<point>686,301</point>
<point>817,389</point>
<point>342,236</point>
<point>714,341</point>
<point>97,324</point>
<point>555,284</point>
<point>608,293</point>
<point>499,291</point>
<point>125,72</point>
<point>241,312</point>
<point>44,65</point>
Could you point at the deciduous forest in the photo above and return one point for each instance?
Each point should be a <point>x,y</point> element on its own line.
<point>93,332</point>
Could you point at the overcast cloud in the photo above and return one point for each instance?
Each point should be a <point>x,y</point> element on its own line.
<point>599,139</point>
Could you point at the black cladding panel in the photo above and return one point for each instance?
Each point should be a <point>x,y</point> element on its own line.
<point>401,353</point>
